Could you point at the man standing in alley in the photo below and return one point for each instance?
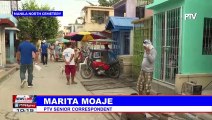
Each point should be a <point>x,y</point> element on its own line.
<point>24,58</point>
<point>44,52</point>
<point>70,68</point>
<point>147,67</point>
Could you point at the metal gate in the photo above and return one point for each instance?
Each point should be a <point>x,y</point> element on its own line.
<point>117,45</point>
<point>142,31</point>
<point>166,38</point>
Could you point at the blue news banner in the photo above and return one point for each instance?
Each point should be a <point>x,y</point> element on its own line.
<point>38,13</point>
<point>123,103</point>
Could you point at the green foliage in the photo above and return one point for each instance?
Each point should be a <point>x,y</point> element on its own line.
<point>60,34</point>
<point>107,2</point>
<point>37,27</point>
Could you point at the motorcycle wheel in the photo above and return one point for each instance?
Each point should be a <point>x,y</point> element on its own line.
<point>86,73</point>
<point>114,71</point>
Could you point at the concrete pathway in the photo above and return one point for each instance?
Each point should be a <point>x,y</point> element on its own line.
<point>48,81</point>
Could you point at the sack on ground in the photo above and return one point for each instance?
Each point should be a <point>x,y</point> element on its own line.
<point>37,67</point>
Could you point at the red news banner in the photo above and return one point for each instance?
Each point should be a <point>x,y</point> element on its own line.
<point>24,103</point>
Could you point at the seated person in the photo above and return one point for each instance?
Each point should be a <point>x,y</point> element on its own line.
<point>106,47</point>
<point>104,57</point>
<point>105,54</point>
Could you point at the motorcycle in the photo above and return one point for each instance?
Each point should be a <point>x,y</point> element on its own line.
<point>96,66</point>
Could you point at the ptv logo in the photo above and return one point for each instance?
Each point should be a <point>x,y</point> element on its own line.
<point>190,16</point>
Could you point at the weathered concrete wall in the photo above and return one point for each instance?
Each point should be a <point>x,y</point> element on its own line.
<point>200,79</point>
<point>88,12</point>
<point>148,13</point>
<point>131,41</point>
<point>159,87</point>
<point>2,47</point>
<point>126,64</point>
<point>90,27</point>
<point>131,8</point>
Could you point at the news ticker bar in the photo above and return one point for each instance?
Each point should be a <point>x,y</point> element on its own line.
<point>37,13</point>
<point>100,109</point>
<point>125,109</point>
<point>36,103</point>
<point>124,100</point>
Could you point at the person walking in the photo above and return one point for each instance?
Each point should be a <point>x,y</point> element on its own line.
<point>38,47</point>
<point>44,52</point>
<point>57,52</point>
<point>70,68</point>
<point>147,67</point>
<point>77,57</point>
<point>24,58</point>
<point>52,57</point>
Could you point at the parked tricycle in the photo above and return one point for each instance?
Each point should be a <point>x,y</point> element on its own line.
<point>101,62</point>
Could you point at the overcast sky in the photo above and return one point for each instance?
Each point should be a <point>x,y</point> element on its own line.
<point>71,8</point>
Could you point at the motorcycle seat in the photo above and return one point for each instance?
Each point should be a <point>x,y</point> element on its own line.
<point>113,62</point>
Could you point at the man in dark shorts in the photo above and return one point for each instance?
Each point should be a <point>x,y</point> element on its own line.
<point>70,68</point>
<point>24,58</point>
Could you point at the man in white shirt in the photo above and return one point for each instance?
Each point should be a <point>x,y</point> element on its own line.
<point>70,68</point>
